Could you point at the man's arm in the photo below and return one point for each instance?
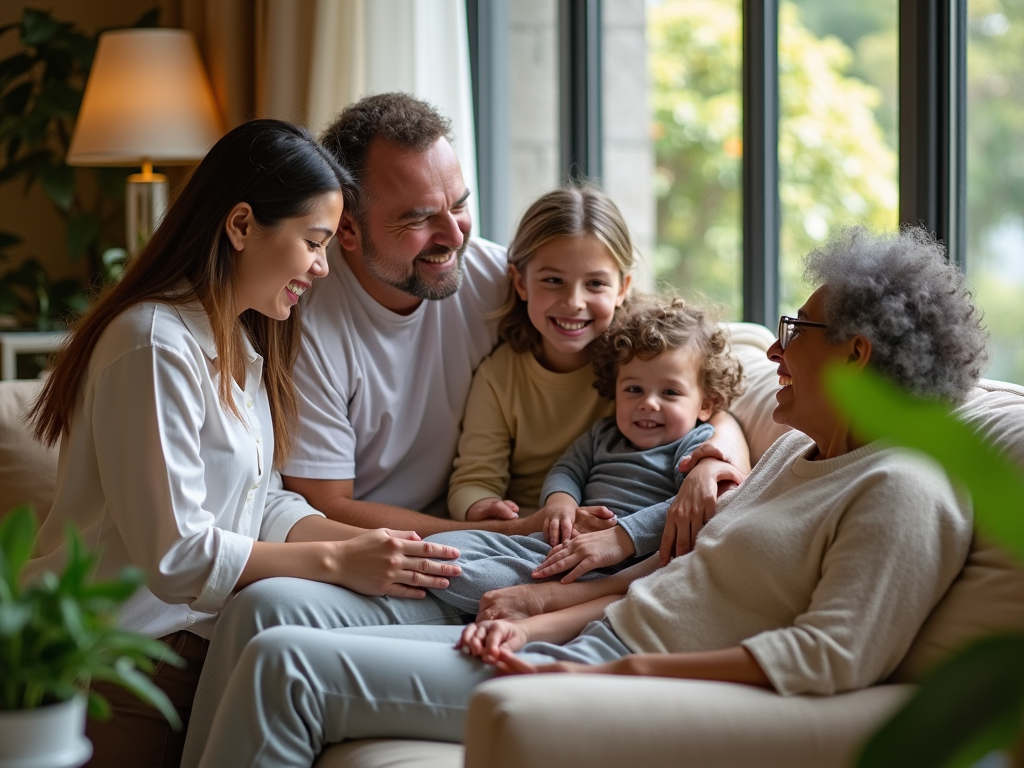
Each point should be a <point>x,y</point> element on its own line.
<point>334,499</point>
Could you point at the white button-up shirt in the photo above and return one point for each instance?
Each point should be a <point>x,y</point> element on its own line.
<point>157,473</point>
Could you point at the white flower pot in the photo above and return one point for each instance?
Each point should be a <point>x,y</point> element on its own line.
<point>48,737</point>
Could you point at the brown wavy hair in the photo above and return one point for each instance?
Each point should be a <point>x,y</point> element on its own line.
<point>281,172</point>
<point>572,211</point>
<point>649,326</point>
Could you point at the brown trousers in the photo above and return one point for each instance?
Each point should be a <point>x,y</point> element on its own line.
<point>136,734</point>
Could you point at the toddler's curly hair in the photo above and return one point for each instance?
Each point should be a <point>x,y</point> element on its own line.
<point>648,326</point>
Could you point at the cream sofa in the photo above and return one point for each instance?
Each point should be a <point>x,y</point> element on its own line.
<point>608,721</point>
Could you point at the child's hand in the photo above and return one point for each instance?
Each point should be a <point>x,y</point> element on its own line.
<point>493,509</point>
<point>487,639</point>
<point>558,521</point>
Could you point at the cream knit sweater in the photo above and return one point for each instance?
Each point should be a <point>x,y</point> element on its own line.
<point>823,570</point>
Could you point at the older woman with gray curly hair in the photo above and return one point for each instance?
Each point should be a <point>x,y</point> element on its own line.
<point>813,577</point>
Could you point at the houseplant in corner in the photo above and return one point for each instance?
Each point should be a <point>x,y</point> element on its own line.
<point>970,707</point>
<point>58,633</point>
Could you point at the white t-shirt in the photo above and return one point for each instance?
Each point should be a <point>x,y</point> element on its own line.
<point>155,472</point>
<point>381,395</point>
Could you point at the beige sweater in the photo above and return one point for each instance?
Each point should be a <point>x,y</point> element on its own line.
<point>823,570</point>
<point>520,418</point>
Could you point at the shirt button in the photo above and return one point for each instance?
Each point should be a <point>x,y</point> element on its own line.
<point>259,439</point>
<point>191,619</point>
<point>248,403</point>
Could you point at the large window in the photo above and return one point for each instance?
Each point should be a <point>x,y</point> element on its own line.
<point>995,176</point>
<point>837,135</point>
<point>704,208</point>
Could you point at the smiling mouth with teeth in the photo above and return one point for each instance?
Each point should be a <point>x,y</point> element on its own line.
<point>645,424</point>
<point>297,289</point>
<point>785,380</point>
<point>440,259</point>
<point>571,325</point>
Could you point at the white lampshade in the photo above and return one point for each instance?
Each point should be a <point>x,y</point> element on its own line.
<point>147,98</point>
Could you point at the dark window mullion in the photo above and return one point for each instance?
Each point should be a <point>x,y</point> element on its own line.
<point>489,67</point>
<point>580,98</point>
<point>760,162</point>
<point>933,87</point>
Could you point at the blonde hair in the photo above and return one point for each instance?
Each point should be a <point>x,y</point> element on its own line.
<point>651,326</point>
<point>572,211</point>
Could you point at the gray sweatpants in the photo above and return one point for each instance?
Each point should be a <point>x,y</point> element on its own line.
<point>293,602</point>
<point>295,690</point>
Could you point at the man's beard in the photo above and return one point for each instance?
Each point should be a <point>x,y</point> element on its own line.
<point>414,282</point>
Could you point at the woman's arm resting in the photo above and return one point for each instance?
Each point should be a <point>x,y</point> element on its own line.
<point>380,562</point>
<point>731,665</point>
<point>488,639</point>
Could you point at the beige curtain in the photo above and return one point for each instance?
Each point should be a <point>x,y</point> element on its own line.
<point>298,60</point>
<point>304,60</point>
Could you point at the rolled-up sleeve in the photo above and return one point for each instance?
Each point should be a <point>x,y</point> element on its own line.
<point>283,510</point>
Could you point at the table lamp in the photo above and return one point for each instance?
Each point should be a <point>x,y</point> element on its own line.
<point>148,100</point>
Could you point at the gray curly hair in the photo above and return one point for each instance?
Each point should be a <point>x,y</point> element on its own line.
<point>899,291</point>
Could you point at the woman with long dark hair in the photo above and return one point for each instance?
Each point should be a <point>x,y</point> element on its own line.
<point>173,401</point>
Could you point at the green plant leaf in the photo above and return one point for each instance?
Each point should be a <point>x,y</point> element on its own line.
<point>83,230</point>
<point>17,534</point>
<point>13,617</point>
<point>125,674</point>
<point>59,184</point>
<point>29,163</point>
<point>969,706</point>
<point>14,67</point>
<point>97,706</point>
<point>16,99</point>
<point>60,100</point>
<point>37,27</point>
<point>878,409</point>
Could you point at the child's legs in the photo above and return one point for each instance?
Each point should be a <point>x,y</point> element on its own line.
<point>489,561</point>
<point>296,690</point>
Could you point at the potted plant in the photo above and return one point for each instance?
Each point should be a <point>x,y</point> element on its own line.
<point>58,633</point>
<point>41,88</point>
<point>971,707</point>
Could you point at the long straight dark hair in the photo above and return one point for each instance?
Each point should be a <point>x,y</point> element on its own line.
<point>281,172</point>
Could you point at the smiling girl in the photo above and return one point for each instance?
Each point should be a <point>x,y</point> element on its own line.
<point>569,271</point>
<point>173,402</point>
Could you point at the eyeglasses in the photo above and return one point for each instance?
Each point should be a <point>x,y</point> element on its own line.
<point>788,326</point>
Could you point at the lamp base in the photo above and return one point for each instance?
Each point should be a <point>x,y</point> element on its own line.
<point>145,205</point>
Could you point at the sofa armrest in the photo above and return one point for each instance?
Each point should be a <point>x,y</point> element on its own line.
<point>609,722</point>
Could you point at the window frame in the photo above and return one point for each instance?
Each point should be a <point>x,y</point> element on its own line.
<point>932,124</point>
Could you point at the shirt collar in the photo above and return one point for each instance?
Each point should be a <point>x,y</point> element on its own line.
<point>195,319</point>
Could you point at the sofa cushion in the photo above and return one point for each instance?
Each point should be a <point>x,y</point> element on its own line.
<point>391,753</point>
<point>28,470</point>
<point>606,721</point>
<point>988,595</point>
